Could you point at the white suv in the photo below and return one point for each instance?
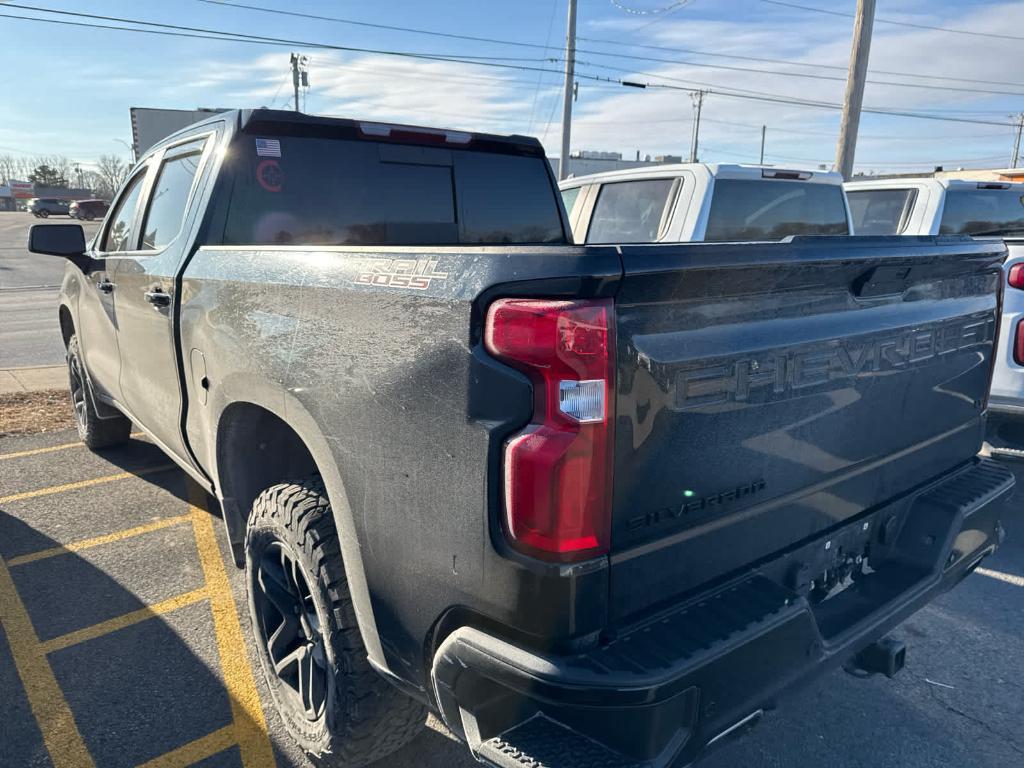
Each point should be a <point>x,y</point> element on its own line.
<point>927,206</point>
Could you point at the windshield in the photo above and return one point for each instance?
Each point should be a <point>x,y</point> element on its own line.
<point>771,209</point>
<point>320,191</point>
<point>983,212</point>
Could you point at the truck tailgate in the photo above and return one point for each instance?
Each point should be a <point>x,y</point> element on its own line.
<point>766,394</point>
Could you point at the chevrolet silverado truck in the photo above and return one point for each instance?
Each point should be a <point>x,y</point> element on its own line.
<point>704,202</point>
<point>591,505</point>
<point>929,206</point>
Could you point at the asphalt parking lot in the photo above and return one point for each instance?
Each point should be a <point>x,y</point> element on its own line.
<point>29,335</point>
<point>125,641</point>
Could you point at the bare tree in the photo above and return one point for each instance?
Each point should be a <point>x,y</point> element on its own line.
<point>8,166</point>
<point>111,171</point>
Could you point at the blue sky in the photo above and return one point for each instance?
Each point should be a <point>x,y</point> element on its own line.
<point>74,86</point>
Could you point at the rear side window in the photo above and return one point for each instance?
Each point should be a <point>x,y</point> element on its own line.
<point>569,198</point>
<point>993,212</point>
<point>629,211</point>
<point>169,197</point>
<point>880,211</point>
<point>771,209</point>
<point>319,191</point>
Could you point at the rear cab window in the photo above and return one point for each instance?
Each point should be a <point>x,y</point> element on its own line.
<point>630,211</point>
<point>983,212</point>
<point>310,190</point>
<point>772,209</point>
<point>880,211</point>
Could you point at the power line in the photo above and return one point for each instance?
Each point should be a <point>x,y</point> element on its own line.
<point>896,23</point>
<point>806,75</point>
<point>475,38</point>
<point>208,34</point>
<point>789,62</point>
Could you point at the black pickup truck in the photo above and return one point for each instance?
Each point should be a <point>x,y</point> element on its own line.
<point>593,506</point>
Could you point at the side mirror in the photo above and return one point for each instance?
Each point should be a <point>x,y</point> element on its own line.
<point>67,240</point>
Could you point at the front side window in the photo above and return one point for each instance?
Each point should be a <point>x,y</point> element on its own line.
<point>772,209</point>
<point>880,211</point>
<point>629,211</point>
<point>119,230</point>
<point>983,212</point>
<point>170,196</point>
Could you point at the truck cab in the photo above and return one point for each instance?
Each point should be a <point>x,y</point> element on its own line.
<point>930,206</point>
<point>704,202</point>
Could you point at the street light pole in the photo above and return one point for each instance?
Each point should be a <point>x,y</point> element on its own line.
<point>570,75</point>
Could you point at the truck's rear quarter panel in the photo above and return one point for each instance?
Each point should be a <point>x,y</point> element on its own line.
<point>381,351</point>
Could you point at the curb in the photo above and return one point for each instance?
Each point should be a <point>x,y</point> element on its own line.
<point>38,379</point>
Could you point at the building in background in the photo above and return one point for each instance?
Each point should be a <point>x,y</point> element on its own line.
<point>150,126</point>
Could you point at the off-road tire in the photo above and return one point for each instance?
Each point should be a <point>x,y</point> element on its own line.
<point>92,430</point>
<point>365,718</point>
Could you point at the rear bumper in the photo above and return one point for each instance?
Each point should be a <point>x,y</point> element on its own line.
<point>662,692</point>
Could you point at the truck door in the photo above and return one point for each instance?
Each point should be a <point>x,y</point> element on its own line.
<point>97,310</point>
<point>150,380</point>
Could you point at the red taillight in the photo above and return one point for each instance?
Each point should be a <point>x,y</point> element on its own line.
<point>1018,344</point>
<point>1016,276</point>
<point>557,471</point>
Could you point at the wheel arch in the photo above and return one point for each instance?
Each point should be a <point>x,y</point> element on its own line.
<point>67,324</point>
<point>260,444</point>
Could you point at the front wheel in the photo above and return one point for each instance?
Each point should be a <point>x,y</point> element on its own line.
<point>92,430</point>
<point>43,214</point>
<point>334,704</point>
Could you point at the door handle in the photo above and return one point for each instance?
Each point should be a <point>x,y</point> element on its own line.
<point>158,298</point>
<point>105,286</point>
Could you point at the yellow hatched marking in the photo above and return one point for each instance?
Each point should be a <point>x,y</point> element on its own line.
<point>125,620</point>
<point>97,541</point>
<point>51,449</point>
<point>56,723</point>
<point>250,726</point>
<point>197,750</point>
<point>84,483</point>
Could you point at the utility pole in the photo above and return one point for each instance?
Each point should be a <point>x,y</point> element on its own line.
<point>697,97</point>
<point>855,78</point>
<point>1016,145</point>
<point>567,95</point>
<point>300,75</point>
<point>78,172</point>
<point>763,129</point>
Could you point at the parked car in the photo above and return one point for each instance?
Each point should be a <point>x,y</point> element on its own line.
<point>88,210</point>
<point>591,505</point>
<point>41,207</point>
<point>704,202</point>
<point>929,206</point>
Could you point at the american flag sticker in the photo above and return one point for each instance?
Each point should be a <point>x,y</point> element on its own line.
<point>268,147</point>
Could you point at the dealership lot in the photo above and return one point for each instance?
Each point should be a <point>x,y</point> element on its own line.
<point>124,635</point>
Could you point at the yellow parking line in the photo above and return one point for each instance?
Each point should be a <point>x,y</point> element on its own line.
<point>56,723</point>
<point>194,751</point>
<point>50,449</point>
<point>83,483</point>
<point>250,726</point>
<point>125,620</point>
<point>78,546</point>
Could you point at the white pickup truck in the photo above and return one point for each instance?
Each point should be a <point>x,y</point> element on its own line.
<point>704,202</point>
<point>928,206</point>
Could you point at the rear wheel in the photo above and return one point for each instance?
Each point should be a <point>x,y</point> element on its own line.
<point>334,704</point>
<point>93,431</point>
<point>43,214</point>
